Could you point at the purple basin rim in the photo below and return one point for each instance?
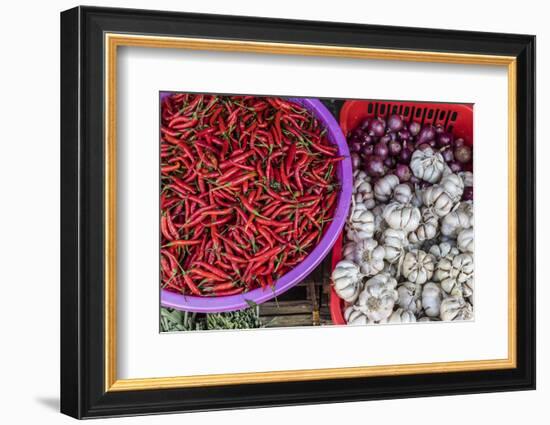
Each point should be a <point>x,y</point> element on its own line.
<point>298,273</point>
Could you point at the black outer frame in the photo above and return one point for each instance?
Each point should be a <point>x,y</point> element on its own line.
<point>82,218</point>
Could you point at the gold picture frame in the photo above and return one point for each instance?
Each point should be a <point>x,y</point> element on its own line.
<point>113,41</point>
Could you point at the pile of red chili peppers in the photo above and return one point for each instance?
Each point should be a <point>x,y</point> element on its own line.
<point>248,185</point>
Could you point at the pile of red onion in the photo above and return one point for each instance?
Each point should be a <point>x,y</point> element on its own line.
<point>384,146</point>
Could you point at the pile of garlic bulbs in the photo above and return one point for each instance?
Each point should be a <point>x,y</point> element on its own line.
<point>408,249</point>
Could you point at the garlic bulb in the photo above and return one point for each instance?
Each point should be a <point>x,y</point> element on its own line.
<point>427,165</point>
<point>453,186</point>
<point>465,289</point>
<point>403,194</point>
<point>465,240</point>
<point>347,280</point>
<point>467,178</point>
<point>367,254</point>
<point>452,273</point>
<point>402,217</point>
<point>360,224</point>
<point>378,297</point>
<point>409,296</point>
<point>443,249</point>
<point>418,266</point>
<point>431,299</point>
<point>456,308</point>
<point>438,200</point>
<point>427,229</point>
<point>354,317</point>
<point>383,188</point>
<point>395,242</point>
<point>401,316</point>
<point>460,218</point>
<point>362,190</point>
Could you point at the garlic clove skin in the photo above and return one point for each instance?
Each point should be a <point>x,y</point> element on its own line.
<point>402,217</point>
<point>427,165</point>
<point>403,194</point>
<point>432,296</point>
<point>453,185</point>
<point>409,296</point>
<point>383,188</point>
<point>354,317</point>
<point>347,280</point>
<point>360,223</point>
<point>465,240</point>
<point>378,297</point>
<point>418,266</point>
<point>456,308</point>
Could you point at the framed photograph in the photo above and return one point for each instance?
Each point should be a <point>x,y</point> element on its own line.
<point>261,212</point>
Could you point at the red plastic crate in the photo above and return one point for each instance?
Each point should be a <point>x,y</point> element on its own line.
<point>456,118</point>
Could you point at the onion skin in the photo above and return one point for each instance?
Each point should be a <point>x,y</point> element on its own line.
<point>394,147</point>
<point>414,128</point>
<point>403,172</point>
<point>366,139</point>
<point>367,150</point>
<point>444,139</point>
<point>468,194</point>
<point>459,142</point>
<point>405,156</point>
<point>463,154</point>
<point>426,134</point>
<point>381,150</point>
<point>385,139</point>
<point>395,122</point>
<point>447,155</point>
<point>389,162</point>
<point>377,127</point>
<point>456,167</point>
<point>355,146</point>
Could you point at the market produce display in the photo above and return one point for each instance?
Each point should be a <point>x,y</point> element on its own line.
<point>409,240</point>
<point>248,185</point>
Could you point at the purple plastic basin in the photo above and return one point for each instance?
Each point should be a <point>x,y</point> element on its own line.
<point>298,273</point>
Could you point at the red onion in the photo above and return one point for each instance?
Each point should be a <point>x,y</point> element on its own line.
<point>355,146</point>
<point>458,142</point>
<point>439,129</point>
<point>395,122</point>
<point>386,138</point>
<point>389,162</point>
<point>394,147</point>
<point>366,139</point>
<point>463,154</point>
<point>404,135</point>
<point>381,150</point>
<point>403,172</point>
<point>426,134</point>
<point>447,155</point>
<point>444,139</point>
<point>405,156</point>
<point>456,167</point>
<point>374,166</point>
<point>414,128</point>
<point>367,150</point>
<point>377,127</point>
